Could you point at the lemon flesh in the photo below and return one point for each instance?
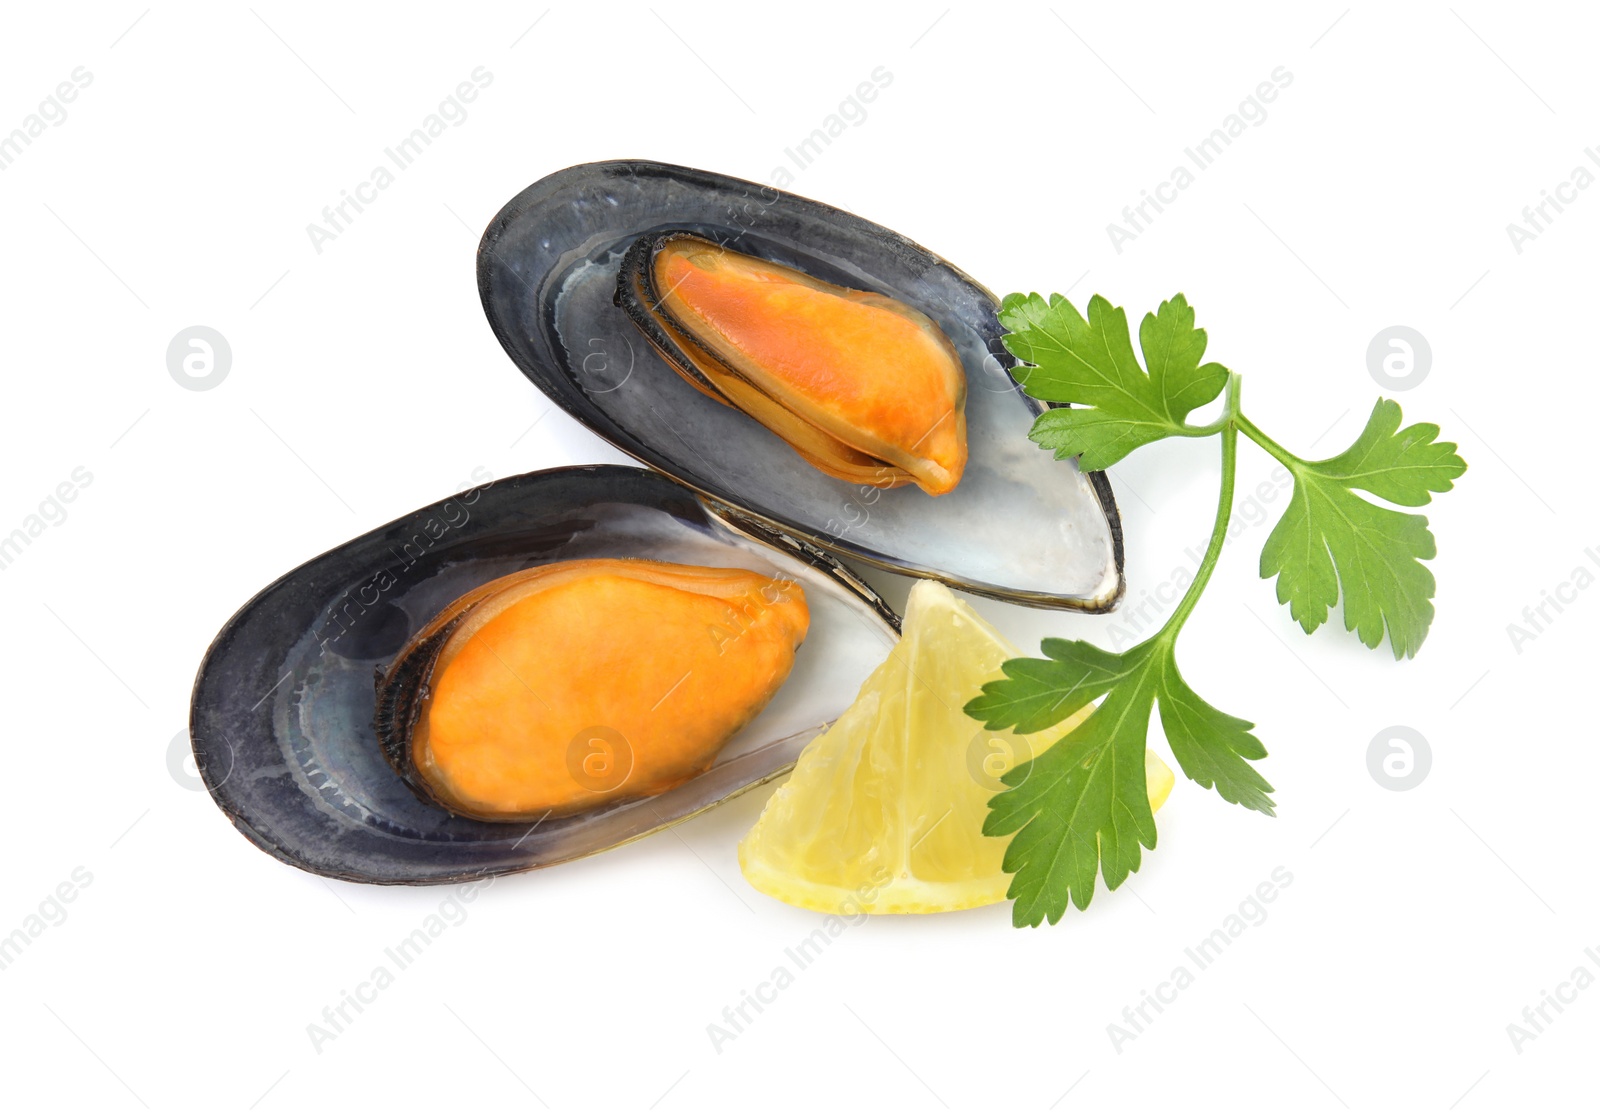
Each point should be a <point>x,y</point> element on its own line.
<point>884,810</point>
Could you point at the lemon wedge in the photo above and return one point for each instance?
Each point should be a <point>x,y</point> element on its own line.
<point>884,810</point>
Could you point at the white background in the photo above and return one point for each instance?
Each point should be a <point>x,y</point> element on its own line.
<point>365,384</point>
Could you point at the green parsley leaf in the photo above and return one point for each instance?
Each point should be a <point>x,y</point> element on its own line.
<point>1038,694</point>
<point>1211,746</point>
<point>1405,467</point>
<point>1068,359</point>
<point>1101,439</point>
<point>1082,804</point>
<point>1330,541</point>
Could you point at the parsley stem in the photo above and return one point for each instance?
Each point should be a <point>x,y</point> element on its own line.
<point>1266,442</point>
<point>1230,421</point>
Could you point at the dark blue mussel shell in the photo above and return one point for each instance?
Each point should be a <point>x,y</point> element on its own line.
<point>282,715</point>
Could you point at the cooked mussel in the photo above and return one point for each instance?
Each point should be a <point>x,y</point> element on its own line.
<point>283,719</point>
<point>1021,526</point>
<point>574,684</point>
<point>864,387</point>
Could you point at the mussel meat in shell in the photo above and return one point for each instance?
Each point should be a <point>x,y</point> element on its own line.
<point>862,386</point>
<point>583,682</point>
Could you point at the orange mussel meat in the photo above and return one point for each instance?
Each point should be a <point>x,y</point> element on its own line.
<point>583,682</point>
<point>862,386</point>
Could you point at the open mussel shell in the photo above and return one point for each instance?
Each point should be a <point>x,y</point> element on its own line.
<point>1021,526</point>
<point>282,715</point>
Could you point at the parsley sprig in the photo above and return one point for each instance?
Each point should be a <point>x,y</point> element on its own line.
<point>1080,808</point>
